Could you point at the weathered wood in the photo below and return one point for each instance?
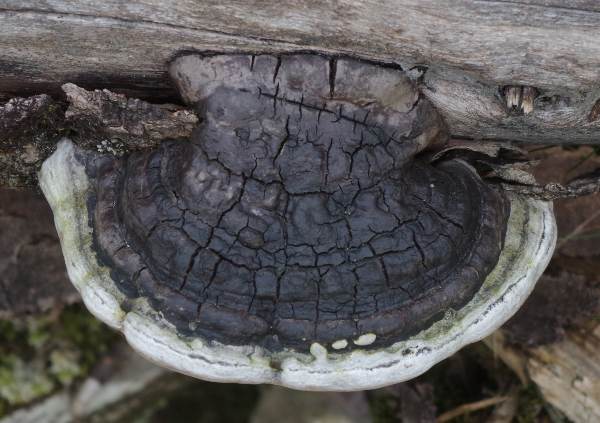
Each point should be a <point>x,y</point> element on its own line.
<point>468,49</point>
<point>101,117</point>
<point>475,108</point>
<point>553,191</point>
<point>566,372</point>
<point>554,340</point>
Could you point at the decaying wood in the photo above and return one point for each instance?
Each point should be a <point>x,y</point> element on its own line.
<point>505,164</point>
<point>464,52</point>
<point>554,341</point>
<point>567,373</point>
<point>479,109</point>
<point>579,187</point>
<point>102,115</point>
<point>31,127</point>
<point>28,128</point>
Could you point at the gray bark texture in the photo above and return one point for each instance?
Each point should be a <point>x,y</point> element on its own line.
<point>463,52</point>
<point>100,120</point>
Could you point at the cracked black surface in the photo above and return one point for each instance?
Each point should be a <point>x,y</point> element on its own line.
<point>298,212</point>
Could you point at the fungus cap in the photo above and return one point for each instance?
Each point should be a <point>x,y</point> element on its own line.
<point>297,238</point>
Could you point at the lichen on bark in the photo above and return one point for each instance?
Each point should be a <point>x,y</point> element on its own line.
<point>28,128</point>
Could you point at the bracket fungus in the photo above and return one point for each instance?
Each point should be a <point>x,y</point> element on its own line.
<point>298,238</point>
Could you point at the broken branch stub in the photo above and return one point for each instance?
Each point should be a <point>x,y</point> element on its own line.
<point>102,118</point>
<point>509,167</point>
<point>98,120</point>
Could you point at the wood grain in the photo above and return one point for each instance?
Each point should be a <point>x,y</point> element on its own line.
<point>549,44</point>
<point>568,374</point>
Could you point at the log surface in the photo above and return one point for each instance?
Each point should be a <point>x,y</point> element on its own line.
<point>568,374</point>
<point>468,50</point>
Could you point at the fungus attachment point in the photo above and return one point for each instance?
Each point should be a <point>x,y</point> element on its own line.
<point>298,227</point>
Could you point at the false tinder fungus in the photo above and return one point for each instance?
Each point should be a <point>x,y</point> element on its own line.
<point>298,238</point>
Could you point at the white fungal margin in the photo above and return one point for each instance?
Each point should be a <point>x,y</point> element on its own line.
<point>529,243</point>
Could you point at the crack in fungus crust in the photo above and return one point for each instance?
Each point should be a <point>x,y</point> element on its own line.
<point>299,212</point>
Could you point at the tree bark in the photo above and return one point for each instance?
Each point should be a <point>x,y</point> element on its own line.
<point>463,52</point>
<point>100,120</point>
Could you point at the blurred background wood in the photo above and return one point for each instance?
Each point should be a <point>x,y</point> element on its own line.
<point>566,372</point>
<point>33,278</point>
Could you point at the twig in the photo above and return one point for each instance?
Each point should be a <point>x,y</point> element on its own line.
<point>579,187</point>
<point>581,161</point>
<point>594,233</point>
<point>505,412</point>
<point>469,407</point>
